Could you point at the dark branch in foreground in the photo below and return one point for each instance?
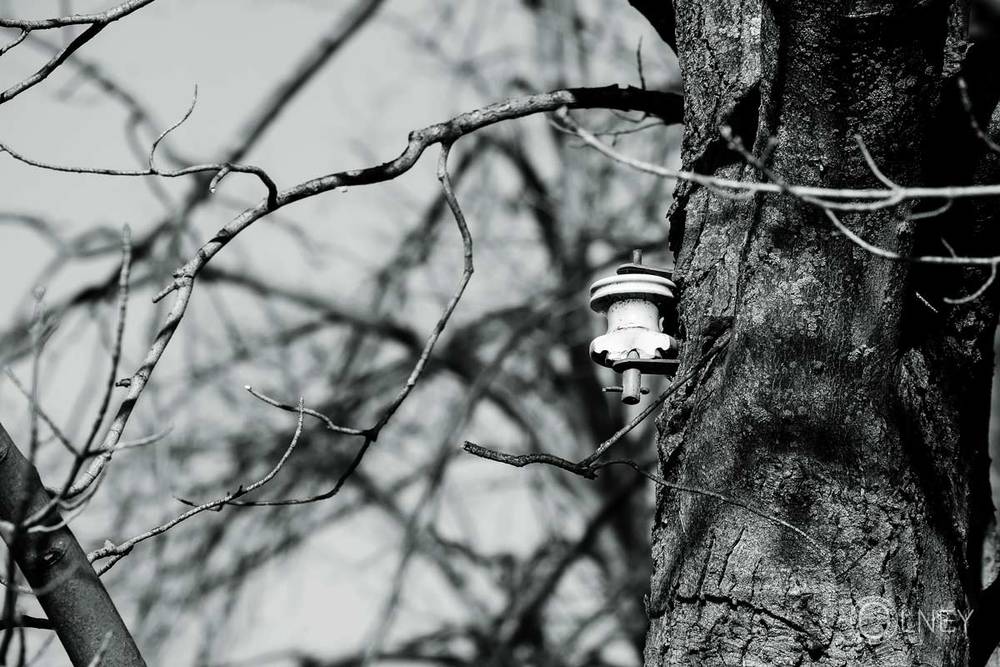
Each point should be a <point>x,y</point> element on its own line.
<point>25,621</point>
<point>75,602</point>
<point>660,14</point>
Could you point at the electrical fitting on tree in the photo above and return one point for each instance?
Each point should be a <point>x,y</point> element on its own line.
<point>635,301</point>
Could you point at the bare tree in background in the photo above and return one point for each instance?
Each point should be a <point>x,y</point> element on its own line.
<point>822,449</point>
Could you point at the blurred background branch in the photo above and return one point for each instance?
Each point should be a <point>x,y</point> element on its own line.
<point>477,567</point>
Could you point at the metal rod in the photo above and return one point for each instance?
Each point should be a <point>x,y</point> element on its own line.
<point>617,389</point>
<point>631,383</point>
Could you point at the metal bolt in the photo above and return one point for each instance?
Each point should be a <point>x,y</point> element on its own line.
<point>630,386</point>
<point>631,382</point>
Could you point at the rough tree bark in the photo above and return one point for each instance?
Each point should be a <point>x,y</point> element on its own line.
<point>852,400</point>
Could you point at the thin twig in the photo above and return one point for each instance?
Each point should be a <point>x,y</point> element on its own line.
<point>664,395</point>
<point>978,293</point>
<point>118,551</point>
<point>827,208</point>
<point>21,510</point>
<point>585,467</point>
<point>221,168</point>
<point>146,440</point>
<point>71,487</point>
<point>638,64</point>
<point>26,621</point>
<point>334,490</point>
<point>467,270</point>
<point>105,17</point>
<point>873,166</point>
<point>963,89</point>
<point>53,63</point>
<point>17,40</point>
<point>56,431</point>
<point>713,494</point>
<point>864,199</point>
<point>933,213</point>
<point>521,460</point>
<point>151,160</point>
<point>336,428</point>
<point>116,347</point>
<point>589,467</point>
<point>371,434</point>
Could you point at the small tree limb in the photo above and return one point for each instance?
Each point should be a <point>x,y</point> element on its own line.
<point>74,599</point>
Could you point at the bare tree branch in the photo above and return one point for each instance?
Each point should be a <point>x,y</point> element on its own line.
<point>100,18</point>
<point>221,169</point>
<point>371,434</point>
<point>53,63</point>
<point>115,552</point>
<point>56,431</point>
<point>17,40</point>
<point>74,600</point>
<point>827,199</point>
<point>447,132</point>
<point>95,24</point>
<point>866,199</point>
<point>587,466</point>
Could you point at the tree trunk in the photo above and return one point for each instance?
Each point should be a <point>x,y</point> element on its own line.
<point>852,401</point>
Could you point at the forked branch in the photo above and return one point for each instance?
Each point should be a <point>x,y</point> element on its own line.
<point>665,105</point>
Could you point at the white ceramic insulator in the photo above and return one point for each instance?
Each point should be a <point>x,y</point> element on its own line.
<point>655,289</point>
<point>629,313</point>
<point>632,303</point>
